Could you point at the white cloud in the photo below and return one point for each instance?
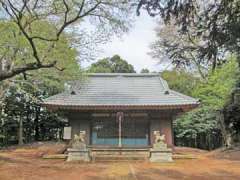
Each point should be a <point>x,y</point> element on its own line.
<point>134,45</point>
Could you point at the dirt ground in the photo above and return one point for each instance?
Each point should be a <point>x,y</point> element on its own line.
<point>26,163</point>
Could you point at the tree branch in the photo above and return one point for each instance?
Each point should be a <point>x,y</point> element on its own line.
<point>25,12</point>
<point>28,67</point>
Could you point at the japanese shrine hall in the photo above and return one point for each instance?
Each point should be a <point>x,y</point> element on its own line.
<point>121,111</point>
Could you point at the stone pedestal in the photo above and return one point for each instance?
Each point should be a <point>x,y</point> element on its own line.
<point>161,155</point>
<point>78,155</point>
<point>160,152</point>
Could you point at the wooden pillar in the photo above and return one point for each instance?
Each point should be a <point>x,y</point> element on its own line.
<point>120,120</point>
<point>120,131</point>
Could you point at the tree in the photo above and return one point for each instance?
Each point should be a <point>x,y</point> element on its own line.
<point>61,52</point>
<point>198,129</point>
<point>27,17</point>
<point>177,48</point>
<point>114,64</point>
<point>21,99</point>
<point>215,92</point>
<point>145,70</point>
<point>22,117</point>
<point>202,128</point>
<point>181,81</point>
<point>216,24</point>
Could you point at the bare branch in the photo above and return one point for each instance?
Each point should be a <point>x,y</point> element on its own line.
<point>71,21</point>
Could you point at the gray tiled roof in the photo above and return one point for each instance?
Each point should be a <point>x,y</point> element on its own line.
<point>120,89</point>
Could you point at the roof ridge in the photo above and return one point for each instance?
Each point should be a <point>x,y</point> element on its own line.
<point>164,84</point>
<point>122,74</point>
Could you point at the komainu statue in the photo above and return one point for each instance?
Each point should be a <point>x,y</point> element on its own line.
<point>79,150</point>
<point>159,137</point>
<point>160,152</point>
<point>79,141</point>
<point>159,141</point>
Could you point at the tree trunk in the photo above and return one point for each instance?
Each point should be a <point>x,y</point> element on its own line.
<point>224,116</point>
<point>195,142</point>
<point>20,135</point>
<point>36,124</point>
<point>227,140</point>
<point>28,126</point>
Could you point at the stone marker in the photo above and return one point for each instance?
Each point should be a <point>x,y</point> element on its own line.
<point>160,152</point>
<point>79,150</point>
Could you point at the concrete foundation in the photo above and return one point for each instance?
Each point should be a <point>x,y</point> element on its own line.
<point>78,155</point>
<point>160,156</point>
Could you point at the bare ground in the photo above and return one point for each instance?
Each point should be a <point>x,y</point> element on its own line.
<point>26,163</point>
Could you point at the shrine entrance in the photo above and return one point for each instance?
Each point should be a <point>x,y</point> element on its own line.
<point>120,130</point>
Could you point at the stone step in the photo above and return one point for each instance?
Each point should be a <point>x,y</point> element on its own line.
<point>119,150</point>
<point>119,155</point>
<point>55,156</point>
<point>111,158</point>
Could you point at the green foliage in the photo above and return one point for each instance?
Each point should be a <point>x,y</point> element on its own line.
<point>216,90</point>
<point>230,115</point>
<point>216,26</point>
<point>22,53</point>
<point>22,101</point>
<point>114,64</point>
<point>31,32</point>
<point>49,51</point>
<point>67,65</point>
<point>145,70</point>
<point>198,128</point>
<point>181,80</point>
<point>21,98</point>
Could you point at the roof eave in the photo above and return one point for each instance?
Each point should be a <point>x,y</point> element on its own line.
<point>184,107</point>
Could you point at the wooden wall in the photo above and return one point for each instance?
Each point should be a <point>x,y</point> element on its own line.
<point>158,121</point>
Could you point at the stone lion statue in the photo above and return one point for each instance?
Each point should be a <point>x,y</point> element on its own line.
<point>79,140</point>
<point>158,137</point>
<point>80,137</point>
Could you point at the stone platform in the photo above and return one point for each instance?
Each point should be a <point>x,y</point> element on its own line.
<point>161,155</point>
<point>78,155</point>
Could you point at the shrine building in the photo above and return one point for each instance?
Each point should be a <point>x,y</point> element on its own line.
<point>121,110</point>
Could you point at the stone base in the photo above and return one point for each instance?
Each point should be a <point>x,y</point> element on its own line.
<point>78,155</point>
<point>161,156</point>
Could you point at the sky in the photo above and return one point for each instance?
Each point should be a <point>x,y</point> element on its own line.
<point>134,46</point>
